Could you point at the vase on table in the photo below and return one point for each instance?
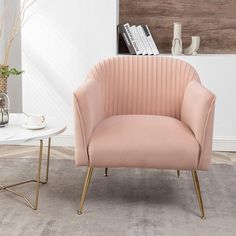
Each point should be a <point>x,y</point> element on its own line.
<point>4,101</point>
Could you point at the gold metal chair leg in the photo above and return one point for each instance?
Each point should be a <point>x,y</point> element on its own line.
<point>106,170</point>
<point>85,189</point>
<point>198,192</point>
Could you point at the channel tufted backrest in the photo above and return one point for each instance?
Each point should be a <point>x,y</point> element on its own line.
<point>143,84</point>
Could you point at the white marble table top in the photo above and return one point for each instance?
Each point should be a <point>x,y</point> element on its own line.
<point>14,132</point>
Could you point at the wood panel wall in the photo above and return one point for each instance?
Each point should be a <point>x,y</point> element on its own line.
<point>213,20</point>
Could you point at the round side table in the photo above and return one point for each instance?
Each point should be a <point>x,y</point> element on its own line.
<point>14,133</point>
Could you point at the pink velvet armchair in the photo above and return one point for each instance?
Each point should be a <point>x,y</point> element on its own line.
<point>145,112</point>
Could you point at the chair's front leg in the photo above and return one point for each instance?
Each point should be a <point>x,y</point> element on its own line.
<point>198,192</point>
<point>85,189</point>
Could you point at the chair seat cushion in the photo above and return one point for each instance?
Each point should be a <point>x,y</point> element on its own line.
<point>146,141</point>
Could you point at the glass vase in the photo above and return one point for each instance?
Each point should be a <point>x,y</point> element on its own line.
<point>4,109</point>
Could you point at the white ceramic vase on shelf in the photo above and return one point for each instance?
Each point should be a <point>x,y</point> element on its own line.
<point>193,48</point>
<point>177,48</point>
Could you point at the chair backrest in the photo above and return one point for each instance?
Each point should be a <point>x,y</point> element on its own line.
<point>143,84</point>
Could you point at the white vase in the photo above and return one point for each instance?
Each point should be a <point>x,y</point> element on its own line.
<point>193,48</point>
<point>177,41</point>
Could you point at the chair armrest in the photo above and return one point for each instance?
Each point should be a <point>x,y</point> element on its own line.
<point>198,114</point>
<point>88,112</point>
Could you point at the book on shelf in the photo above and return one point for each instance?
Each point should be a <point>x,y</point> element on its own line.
<point>124,34</point>
<point>138,39</point>
<point>144,40</point>
<point>129,39</point>
<point>150,40</point>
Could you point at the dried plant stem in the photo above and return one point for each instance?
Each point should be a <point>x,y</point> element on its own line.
<point>2,15</point>
<point>18,22</point>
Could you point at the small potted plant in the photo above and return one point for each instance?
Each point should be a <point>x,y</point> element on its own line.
<point>5,72</point>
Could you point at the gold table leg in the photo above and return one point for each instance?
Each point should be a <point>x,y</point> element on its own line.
<point>38,181</point>
<point>48,160</point>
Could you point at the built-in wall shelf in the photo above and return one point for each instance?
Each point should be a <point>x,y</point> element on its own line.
<point>214,21</point>
<point>179,56</point>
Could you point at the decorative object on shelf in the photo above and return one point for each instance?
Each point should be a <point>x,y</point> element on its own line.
<point>193,48</point>
<point>177,41</point>
<point>138,39</point>
<point>4,109</point>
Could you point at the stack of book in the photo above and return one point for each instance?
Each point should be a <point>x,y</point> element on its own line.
<point>138,39</point>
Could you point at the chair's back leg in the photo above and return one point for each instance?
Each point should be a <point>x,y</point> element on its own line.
<point>106,171</point>
<point>178,173</point>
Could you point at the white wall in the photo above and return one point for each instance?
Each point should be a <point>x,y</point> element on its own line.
<point>2,39</point>
<point>63,39</point>
<point>218,73</point>
<point>60,42</point>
